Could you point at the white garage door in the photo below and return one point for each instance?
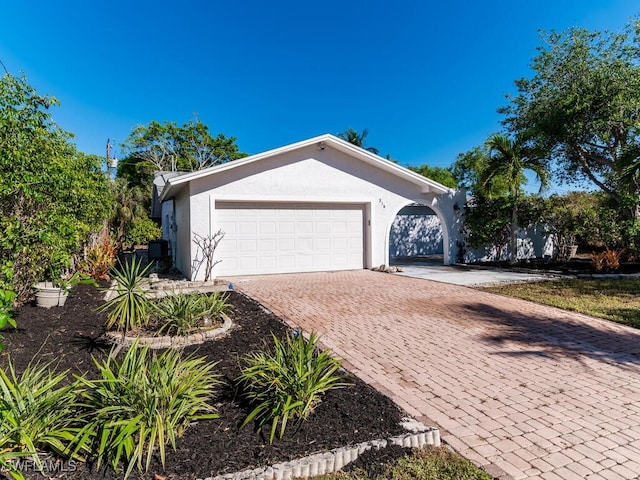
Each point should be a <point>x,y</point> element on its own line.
<point>285,238</point>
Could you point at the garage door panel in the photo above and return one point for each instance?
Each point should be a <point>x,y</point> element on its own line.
<point>303,228</point>
<point>286,227</point>
<point>267,228</point>
<point>286,245</point>
<point>267,245</point>
<point>247,228</point>
<point>282,238</point>
<point>247,246</point>
<point>322,244</point>
<point>304,245</point>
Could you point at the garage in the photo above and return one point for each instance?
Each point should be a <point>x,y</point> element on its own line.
<point>320,204</point>
<point>262,238</point>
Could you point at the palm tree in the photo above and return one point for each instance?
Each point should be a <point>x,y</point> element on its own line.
<point>508,160</point>
<point>357,139</point>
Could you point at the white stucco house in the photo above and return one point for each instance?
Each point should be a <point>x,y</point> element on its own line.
<point>321,204</point>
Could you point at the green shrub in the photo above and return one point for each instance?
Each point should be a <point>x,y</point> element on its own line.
<point>182,313</point>
<point>288,382</point>
<point>143,231</point>
<point>6,311</point>
<point>143,402</point>
<point>38,414</point>
<point>129,308</point>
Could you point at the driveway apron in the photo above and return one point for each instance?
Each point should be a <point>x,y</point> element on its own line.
<point>524,390</point>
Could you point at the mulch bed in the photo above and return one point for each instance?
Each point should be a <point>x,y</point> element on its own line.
<point>69,336</point>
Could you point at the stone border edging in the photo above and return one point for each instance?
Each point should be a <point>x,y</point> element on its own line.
<point>169,341</point>
<point>332,461</point>
<point>172,341</point>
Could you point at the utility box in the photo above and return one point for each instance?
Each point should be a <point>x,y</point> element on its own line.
<point>158,249</point>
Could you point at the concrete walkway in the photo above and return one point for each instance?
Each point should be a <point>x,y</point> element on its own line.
<point>524,390</point>
<point>469,276</point>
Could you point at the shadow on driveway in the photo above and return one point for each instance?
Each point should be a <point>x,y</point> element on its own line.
<point>553,337</point>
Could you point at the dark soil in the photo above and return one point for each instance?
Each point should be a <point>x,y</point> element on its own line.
<point>69,336</point>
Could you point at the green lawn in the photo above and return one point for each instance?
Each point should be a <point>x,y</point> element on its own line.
<point>427,463</point>
<point>613,299</point>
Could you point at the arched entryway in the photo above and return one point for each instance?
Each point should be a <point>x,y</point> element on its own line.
<point>416,235</point>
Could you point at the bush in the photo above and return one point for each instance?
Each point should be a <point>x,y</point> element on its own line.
<point>6,311</point>
<point>288,382</point>
<point>183,313</point>
<point>38,414</point>
<point>51,196</point>
<point>129,309</point>
<point>99,257</point>
<point>143,402</point>
<point>143,231</point>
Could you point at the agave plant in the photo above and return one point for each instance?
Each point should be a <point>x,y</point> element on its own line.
<point>143,403</point>
<point>287,383</point>
<point>129,308</point>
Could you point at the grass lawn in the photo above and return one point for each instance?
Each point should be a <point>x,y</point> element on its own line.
<point>427,463</point>
<point>613,299</point>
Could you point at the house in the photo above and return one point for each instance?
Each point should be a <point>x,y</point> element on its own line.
<point>321,204</point>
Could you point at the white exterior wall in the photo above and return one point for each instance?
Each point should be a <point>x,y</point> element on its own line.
<point>182,219</point>
<point>317,176</point>
<point>532,243</point>
<point>415,235</point>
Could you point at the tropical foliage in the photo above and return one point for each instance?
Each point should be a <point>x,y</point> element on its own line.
<point>441,175</point>
<point>582,103</point>
<point>358,139</point>
<point>141,404</point>
<point>508,160</point>
<point>7,298</point>
<point>40,412</point>
<point>51,196</point>
<point>129,309</point>
<point>286,383</point>
<point>142,231</point>
<point>182,313</point>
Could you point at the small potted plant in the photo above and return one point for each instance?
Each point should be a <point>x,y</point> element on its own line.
<point>55,293</point>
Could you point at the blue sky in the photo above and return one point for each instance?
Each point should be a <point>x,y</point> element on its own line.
<point>425,78</point>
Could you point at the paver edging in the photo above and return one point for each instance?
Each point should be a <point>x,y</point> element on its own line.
<point>332,461</point>
<point>172,341</point>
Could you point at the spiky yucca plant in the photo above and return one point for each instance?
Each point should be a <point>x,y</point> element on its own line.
<point>129,308</point>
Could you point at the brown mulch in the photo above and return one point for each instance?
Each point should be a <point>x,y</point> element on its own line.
<point>69,336</point>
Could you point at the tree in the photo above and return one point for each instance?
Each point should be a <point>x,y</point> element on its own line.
<point>439,174</point>
<point>487,220</point>
<point>358,139</point>
<point>468,170</point>
<point>129,201</point>
<point>582,103</point>
<point>51,196</point>
<point>168,147</point>
<point>165,147</point>
<point>508,159</point>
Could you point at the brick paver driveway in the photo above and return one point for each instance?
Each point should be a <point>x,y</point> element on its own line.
<point>525,390</point>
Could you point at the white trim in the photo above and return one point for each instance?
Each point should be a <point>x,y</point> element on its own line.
<point>443,225</point>
<point>305,199</point>
<point>327,140</point>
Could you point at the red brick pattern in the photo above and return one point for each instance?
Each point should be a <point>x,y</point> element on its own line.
<point>525,390</point>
